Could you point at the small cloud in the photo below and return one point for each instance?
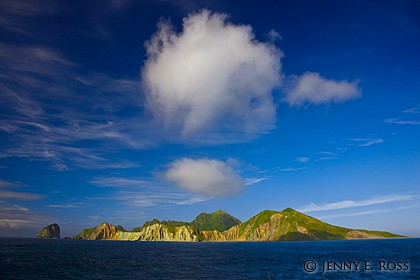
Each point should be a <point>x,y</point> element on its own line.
<point>412,111</point>
<point>327,153</point>
<point>290,169</point>
<point>399,121</point>
<point>120,182</point>
<point>207,177</point>
<point>273,35</point>
<point>365,142</point>
<point>325,158</point>
<point>193,200</point>
<point>302,159</point>
<point>312,88</point>
<point>252,181</point>
<point>67,206</point>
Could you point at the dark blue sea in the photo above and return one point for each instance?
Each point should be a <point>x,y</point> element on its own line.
<point>80,259</point>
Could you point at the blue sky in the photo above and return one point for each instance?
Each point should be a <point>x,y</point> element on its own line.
<point>124,111</point>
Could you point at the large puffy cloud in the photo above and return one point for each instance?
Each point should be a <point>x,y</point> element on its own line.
<point>208,177</point>
<point>213,76</point>
<point>313,88</point>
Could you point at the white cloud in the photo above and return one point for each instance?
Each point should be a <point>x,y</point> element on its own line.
<point>290,169</point>
<point>412,111</point>
<point>302,159</point>
<point>325,158</point>
<point>398,121</point>
<point>121,182</point>
<point>312,88</point>
<point>211,77</point>
<point>208,177</point>
<point>76,205</point>
<point>380,199</point>
<point>252,181</point>
<point>365,142</point>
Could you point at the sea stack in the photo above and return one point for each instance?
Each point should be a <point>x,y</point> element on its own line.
<point>50,231</point>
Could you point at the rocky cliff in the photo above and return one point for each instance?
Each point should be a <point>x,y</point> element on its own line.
<point>153,232</point>
<point>102,231</point>
<point>160,232</point>
<point>50,231</point>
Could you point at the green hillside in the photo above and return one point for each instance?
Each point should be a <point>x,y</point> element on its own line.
<point>218,220</point>
<point>290,224</point>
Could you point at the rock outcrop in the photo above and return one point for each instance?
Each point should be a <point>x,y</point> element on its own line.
<point>103,231</point>
<point>50,231</point>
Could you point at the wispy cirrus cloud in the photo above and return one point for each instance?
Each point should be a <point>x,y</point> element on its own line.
<point>141,192</point>
<point>365,142</point>
<point>122,182</point>
<point>368,212</point>
<point>43,127</point>
<point>379,199</point>
<point>76,205</point>
<point>13,195</point>
<point>11,191</point>
<point>253,181</point>
<point>403,121</point>
<point>161,198</point>
<point>290,169</point>
<point>14,15</point>
<point>412,111</point>
<point>399,121</point>
<point>16,220</point>
<point>325,158</point>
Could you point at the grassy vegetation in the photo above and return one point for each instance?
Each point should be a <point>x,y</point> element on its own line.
<point>259,219</point>
<point>85,233</point>
<point>120,228</point>
<point>169,224</point>
<point>382,233</point>
<point>218,220</point>
<point>315,227</point>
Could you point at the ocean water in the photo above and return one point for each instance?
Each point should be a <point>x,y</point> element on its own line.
<point>80,259</point>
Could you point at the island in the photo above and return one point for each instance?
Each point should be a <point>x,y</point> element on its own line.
<point>268,225</point>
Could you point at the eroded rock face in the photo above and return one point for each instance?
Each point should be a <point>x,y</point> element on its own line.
<point>103,231</point>
<point>50,231</point>
<point>159,232</point>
